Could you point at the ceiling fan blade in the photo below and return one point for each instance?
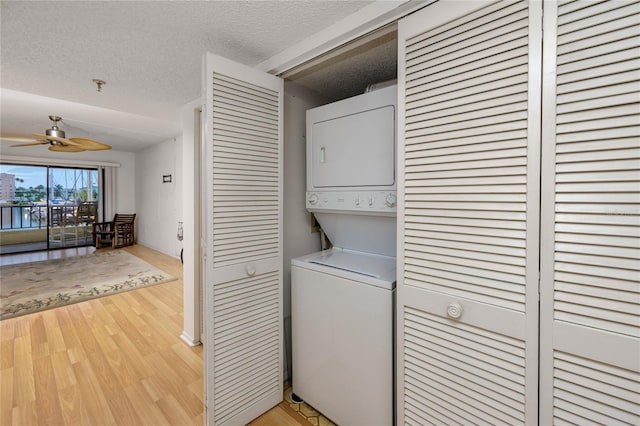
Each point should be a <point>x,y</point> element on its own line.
<point>65,148</point>
<point>63,141</point>
<point>32,143</point>
<point>16,139</point>
<point>90,144</point>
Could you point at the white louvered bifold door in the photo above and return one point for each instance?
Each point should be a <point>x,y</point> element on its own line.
<point>243,278</point>
<point>590,300</point>
<point>469,102</point>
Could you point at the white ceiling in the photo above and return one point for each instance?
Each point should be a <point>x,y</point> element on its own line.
<point>149,53</point>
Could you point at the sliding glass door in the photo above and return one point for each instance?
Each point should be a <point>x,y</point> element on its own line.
<point>44,207</point>
<point>72,206</point>
<point>23,208</point>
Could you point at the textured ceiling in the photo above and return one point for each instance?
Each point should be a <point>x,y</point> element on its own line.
<point>349,72</point>
<point>149,52</point>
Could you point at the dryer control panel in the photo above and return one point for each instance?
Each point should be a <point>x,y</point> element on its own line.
<point>353,201</point>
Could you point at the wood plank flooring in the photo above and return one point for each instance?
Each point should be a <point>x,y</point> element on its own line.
<point>280,415</point>
<point>115,360</point>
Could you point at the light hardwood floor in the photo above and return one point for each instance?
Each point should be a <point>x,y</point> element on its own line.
<point>115,360</point>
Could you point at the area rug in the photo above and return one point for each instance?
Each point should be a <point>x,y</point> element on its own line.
<point>35,286</point>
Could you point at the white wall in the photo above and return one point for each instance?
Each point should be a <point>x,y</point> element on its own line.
<point>125,174</point>
<point>158,204</point>
<point>298,238</point>
<point>125,191</point>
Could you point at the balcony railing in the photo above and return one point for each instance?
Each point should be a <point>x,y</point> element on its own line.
<point>41,227</point>
<point>23,217</point>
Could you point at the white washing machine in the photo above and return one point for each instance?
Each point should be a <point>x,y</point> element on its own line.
<point>342,299</point>
<point>342,334</point>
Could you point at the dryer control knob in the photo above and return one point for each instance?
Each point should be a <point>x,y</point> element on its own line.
<point>454,310</point>
<point>313,199</point>
<point>390,200</point>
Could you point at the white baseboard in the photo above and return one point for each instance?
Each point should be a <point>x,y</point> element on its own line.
<point>189,340</point>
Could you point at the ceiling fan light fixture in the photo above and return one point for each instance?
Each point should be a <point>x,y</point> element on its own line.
<point>57,141</point>
<point>55,131</point>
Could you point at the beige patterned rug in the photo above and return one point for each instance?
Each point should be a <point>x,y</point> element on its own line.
<point>32,287</point>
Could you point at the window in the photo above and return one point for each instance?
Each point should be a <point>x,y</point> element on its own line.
<point>45,207</point>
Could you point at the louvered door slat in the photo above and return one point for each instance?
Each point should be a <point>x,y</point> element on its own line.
<point>247,132</point>
<point>249,94</point>
<point>456,279</point>
<point>240,202</point>
<point>459,358</point>
<point>249,162</point>
<point>232,150</point>
<point>258,230</point>
<point>224,136</point>
<point>231,174</point>
<point>428,335</point>
<point>248,111</point>
<point>578,63</point>
<point>243,278</point>
<point>618,111</point>
<point>230,116</point>
<point>242,241</point>
<point>468,214</point>
<point>240,111</point>
<point>591,223</point>
<point>437,154</point>
<point>260,310</point>
<point>248,373</point>
<point>597,84</point>
<point>450,241</point>
<point>573,25</point>
<point>595,392</point>
<point>624,38</point>
<point>612,113</point>
<point>238,212</point>
<point>448,373</point>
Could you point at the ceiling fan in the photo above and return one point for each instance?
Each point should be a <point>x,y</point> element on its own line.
<point>57,140</point>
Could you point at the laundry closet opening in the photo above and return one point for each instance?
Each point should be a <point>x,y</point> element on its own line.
<point>363,65</point>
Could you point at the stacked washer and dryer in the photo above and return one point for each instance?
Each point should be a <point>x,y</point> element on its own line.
<point>342,299</point>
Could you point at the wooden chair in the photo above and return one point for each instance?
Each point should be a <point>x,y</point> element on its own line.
<point>84,219</point>
<point>86,213</point>
<point>120,232</point>
<point>72,225</point>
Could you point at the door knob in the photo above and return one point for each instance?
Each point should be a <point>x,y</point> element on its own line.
<point>251,270</point>
<point>454,310</point>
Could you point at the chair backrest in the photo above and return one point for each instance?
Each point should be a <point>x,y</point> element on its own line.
<point>87,210</point>
<point>124,218</point>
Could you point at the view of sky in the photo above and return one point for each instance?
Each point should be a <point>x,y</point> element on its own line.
<point>34,176</point>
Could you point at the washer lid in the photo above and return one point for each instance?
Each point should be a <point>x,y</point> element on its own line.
<point>366,267</point>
